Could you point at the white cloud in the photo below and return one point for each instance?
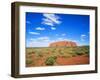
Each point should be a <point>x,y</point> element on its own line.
<point>47,21</point>
<point>43,38</point>
<point>83,37</point>
<point>53,28</point>
<point>35,33</point>
<point>54,18</point>
<point>28,22</point>
<point>63,34</point>
<point>60,39</point>
<point>51,19</point>
<point>32,39</point>
<point>57,34</point>
<point>63,39</point>
<point>39,42</point>
<point>40,28</point>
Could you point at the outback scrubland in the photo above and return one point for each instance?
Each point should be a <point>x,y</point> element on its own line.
<point>57,56</point>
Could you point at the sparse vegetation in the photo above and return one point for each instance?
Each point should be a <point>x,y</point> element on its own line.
<point>50,60</point>
<point>50,54</point>
<point>29,61</point>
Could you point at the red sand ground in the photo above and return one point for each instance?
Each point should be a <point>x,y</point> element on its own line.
<point>63,61</point>
<point>73,61</point>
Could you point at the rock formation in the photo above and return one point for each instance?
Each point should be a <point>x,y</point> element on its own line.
<point>63,44</point>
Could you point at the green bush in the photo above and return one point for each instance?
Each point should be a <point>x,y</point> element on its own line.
<point>50,60</point>
<point>79,52</point>
<point>39,54</point>
<point>29,61</point>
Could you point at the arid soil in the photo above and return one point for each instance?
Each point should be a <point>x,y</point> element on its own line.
<point>63,61</point>
<point>73,61</point>
<point>57,56</point>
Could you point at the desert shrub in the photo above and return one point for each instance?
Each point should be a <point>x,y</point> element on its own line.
<point>73,55</point>
<point>55,57</point>
<point>61,52</point>
<point>29,56</point>
<point>65,56</point>
<point>39,54</point>
<point>50,60</point>
<point>78,52</point>
<point>53,51</point>
<point>86,50</point>
<point>30,53</point>
<point>29,61</point>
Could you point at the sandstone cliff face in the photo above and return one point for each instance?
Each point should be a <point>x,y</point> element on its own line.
<point>63,44</point>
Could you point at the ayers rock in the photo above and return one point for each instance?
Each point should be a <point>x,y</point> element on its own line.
<point>63,44</point>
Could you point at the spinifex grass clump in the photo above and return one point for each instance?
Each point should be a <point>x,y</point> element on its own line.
<point>50,60</point>
<point>29,61</point>
<point>80,50</point>
<point>49,55</point>
<point>39,54</point>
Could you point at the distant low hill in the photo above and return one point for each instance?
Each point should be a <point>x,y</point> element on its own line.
<point>63,44</point>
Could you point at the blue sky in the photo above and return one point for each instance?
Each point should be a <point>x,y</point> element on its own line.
<point>45,28</point>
